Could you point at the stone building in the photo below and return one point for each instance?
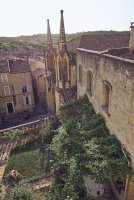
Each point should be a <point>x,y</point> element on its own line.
<point>37,68</point>
<point>99,42</point>
<point>16,91</point>
<point>60,79</point>
<point>107,77</point>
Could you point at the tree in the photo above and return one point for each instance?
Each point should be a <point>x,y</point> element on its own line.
<point>21,193</point>
<point>83,146</point>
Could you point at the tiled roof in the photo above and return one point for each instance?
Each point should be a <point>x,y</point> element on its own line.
<point>99,42</point>
<point>73,44</point>
<point>24,52</point>
<point>18,66</point>
<point>121,52</point>
<point>14,65</point>
<point>4,67</point>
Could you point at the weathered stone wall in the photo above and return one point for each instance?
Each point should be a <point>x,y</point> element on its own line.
<point>35,64</point>
<point>15,82</point>
<point>120,74</point>
<point>73,76</point>
<point>3,98</point>
<point>18,81</point>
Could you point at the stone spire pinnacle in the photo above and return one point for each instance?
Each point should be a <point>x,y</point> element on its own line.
<point>62,39</point>
<point>49,37</point>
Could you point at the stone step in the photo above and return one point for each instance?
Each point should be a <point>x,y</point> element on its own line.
<point>5,151</point>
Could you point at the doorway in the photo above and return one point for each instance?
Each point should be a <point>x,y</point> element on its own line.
<point>10,108</point>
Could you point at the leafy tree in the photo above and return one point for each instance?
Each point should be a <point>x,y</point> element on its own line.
<point>83,146</point>
<point>21,193</point>
<point>105,159</point>
<point>79,110</point>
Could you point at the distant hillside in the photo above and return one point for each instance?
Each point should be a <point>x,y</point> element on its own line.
<point>40,39</point>
<point>33,46</point>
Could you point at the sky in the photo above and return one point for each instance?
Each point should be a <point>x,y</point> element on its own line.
<point>29,17</point>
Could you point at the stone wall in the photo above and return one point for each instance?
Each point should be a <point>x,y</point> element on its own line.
<point>119,74</point>
<point>15,82</point>
<point>18,81</point>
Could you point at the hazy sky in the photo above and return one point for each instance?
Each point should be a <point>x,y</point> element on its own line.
<point>28,17</point>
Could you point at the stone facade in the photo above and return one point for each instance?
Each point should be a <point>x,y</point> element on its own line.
<point>16,91</point>
<point>111,92</point>
<point>37,68</point>
<point>60,79</point>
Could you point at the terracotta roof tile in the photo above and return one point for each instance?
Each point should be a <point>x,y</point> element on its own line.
<point>18,66</point>
<point>99,42</point>
<point>4,67</point>
<point>14,65</point>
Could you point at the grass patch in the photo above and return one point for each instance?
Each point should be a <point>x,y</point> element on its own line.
<point>26,160</point>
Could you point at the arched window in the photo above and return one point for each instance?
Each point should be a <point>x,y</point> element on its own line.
<point>106,95</point>
<point>89,81</point>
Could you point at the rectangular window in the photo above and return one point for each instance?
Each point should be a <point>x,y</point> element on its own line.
<point>25,88</point>
<point>6,90</point>
<point>28,87</point>
<point>30,100</point>
<point>4,78</point>
<point>27,100</point>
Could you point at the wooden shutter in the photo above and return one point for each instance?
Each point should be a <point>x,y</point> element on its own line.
<point>24,100</point>
<point>30,100</point>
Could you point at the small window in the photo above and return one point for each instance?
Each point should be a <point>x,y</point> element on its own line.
<point>24,89</point>
<point>89,82</point>
<point>80,74</point>
<point>4,78</point>
<point>6,90</point>
<point>27,100</point>
<point>106,95</point>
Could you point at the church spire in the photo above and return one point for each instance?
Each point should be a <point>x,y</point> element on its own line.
<point>62,39</point>
<point>49,38</point>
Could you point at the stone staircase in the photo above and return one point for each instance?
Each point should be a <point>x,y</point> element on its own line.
<point>5,150</point>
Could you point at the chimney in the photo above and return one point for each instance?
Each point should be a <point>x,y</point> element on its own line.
<point>131,42</point>
<point>62,39</point>
<point>49,37</point>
